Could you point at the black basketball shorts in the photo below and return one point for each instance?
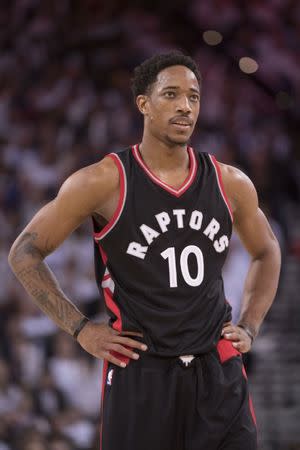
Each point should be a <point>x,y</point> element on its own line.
<point>180,403</point>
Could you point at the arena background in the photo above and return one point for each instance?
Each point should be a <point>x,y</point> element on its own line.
<point>65,101</point>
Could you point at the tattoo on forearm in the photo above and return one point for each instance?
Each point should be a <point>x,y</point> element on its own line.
<point>26,246</point>
<point>41,284</point>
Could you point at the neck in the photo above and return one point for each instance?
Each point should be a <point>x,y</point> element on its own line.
<point>161,155</point>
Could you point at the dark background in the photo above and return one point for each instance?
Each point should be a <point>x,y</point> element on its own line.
<point>65,101</point>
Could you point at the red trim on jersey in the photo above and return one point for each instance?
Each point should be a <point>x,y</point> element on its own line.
<point>104,375</point>
<point>103,254</point>
<point>221,185</point>
<point>108,296</point>
<point>106,277</point>
<point>123,188</point>
<point>226,350</point>
<point>120,356</point>
<point>109,300</point>
<point>250,399</point>
<point>252,410</point>
<point>187,182</point>
<point>111,304</point>
<point>244,372</point>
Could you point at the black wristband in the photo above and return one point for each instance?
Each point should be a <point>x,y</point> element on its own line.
<point>248,331</point>
<point>82,323</point>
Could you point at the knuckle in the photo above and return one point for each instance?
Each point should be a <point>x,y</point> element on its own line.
<point>119,348</point>
<point>106,356</point>
<point>103,346</point>
<point>116,361</point>
<point>110,347</point>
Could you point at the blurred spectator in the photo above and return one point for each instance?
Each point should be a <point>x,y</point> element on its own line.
<point>60,442</point>
<point>10,394</point>
<point>73,373</point>
<point>65,102</point>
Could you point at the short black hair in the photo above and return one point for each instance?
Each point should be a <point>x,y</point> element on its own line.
<point>145,74</point>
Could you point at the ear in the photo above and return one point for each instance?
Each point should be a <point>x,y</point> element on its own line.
<point>142,104</point>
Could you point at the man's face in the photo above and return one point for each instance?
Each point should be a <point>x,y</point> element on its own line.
<point>172,106</point>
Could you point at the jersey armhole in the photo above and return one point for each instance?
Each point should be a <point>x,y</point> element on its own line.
<point>121,202</point>
<point>221,184</point>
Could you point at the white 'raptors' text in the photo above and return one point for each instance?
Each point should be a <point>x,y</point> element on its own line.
<point>194,221</point>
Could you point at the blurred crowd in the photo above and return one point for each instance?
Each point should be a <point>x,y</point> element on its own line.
<point>65,101</point>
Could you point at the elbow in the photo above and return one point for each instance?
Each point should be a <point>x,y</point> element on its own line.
<point>276,251</point>
<point>272,253</point>
<point>13,257</point>
<point>23,251</point>
<point>269,252</point>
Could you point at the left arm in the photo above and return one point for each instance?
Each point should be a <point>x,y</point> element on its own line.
<point>257,237</point>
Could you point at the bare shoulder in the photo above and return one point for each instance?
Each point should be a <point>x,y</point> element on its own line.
<point>84,192</point>
<point>103,175</point>
<point>239,188</point>
<point>92,185</point>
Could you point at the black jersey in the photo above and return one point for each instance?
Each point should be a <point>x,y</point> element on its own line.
<point>164,249</point>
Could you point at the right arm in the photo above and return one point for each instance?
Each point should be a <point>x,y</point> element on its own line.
<point>83,193</point>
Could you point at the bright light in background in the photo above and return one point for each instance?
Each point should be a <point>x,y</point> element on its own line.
<point>248,65</point>
<point>212,37</point>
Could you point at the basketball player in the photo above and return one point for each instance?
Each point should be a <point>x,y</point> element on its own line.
<point>163,214</point>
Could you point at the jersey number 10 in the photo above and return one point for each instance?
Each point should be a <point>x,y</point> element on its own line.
<point>170,255</point>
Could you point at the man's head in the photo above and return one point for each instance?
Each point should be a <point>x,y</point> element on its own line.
<point>167,92</point>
